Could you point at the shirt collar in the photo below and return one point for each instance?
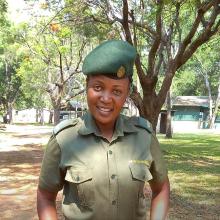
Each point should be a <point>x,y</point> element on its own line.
<point>123,125</point>
<point>88,125</point>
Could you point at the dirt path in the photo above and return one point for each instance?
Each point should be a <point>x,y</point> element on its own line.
<point>20,159</point>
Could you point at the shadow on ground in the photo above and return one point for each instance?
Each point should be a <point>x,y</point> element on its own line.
<point>19,170</point>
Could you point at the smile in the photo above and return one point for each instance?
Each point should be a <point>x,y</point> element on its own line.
<point>103,109</point>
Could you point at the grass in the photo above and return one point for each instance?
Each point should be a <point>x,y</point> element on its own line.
<point>194,167</point>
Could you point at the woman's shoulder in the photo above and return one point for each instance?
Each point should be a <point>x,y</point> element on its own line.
<point>65,124</point>
<point>139,122</point>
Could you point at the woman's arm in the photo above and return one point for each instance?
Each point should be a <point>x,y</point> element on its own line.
<point>160,199</point>
<point>46,205</point>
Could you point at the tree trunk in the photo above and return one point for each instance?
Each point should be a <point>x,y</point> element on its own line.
<point>50,117</point>
<point>37,115</point>
<point>151,110</point>
<point>42,116</point>
<point>169,118</point>
<point>10,117</point>
<point>217,103</point>
<point>207,84</point>
<point>56,115</point>
<point>148,106</point>
<point>55,96</point>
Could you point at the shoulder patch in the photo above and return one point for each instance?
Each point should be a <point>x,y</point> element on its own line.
<point>143,123</point>
<point>64,124</point>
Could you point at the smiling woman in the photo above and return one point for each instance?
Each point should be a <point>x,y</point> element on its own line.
<point>106,97</point>
<point>104,161</point>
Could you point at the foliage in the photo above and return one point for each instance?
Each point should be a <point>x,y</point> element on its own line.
<point>3,10</point>
<point>52,60</point>
<point>9,62</point>
<point>190,80</point>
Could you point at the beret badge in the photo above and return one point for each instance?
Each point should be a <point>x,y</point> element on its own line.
<point>121,72</point>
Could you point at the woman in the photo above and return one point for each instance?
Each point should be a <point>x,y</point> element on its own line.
<point>104,160</point>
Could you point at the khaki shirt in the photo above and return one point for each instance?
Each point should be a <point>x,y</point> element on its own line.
<point>103,180</point>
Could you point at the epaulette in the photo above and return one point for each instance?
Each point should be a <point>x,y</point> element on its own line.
<point>143,123</point>
<point>64,124</point>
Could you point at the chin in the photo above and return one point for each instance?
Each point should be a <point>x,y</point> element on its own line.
<point>104,120</point>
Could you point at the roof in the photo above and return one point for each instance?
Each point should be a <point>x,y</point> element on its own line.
<point>202,101</point>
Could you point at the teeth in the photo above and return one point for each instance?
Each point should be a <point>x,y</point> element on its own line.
<point>104,109</point>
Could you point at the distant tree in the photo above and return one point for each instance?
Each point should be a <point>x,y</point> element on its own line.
<point>10,82</point>
<point>207,66</point>
<point>55,47</point>
<point>200,76</point>
<point>52,63</point>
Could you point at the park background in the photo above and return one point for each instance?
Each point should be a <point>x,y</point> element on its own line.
<point>176,87</point>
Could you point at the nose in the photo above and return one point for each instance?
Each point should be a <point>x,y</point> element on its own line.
<point>106,97</point>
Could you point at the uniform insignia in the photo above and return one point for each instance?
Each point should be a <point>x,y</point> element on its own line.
<point>121,72</point>
<point>146,162</point>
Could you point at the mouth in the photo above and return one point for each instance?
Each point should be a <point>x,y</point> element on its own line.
<point>104,109</point>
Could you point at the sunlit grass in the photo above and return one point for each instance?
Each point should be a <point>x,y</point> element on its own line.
<point>194,166</point>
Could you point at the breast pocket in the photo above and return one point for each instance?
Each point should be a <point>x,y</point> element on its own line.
<point>80,188</point>
<point>140,171</point>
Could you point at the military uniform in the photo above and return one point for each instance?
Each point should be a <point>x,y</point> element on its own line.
<point>102,180</point>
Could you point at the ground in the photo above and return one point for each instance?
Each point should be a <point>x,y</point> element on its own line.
<point>20,159</point>
<point>21,151</point>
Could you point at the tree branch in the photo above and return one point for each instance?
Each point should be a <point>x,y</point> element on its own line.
<point>125,22</point>
<point>139,69</point>
<point>138,101</point>
<point>63,105</point>
<point>134,28</point>
<point>202,38</point>
<point>79,61</point>
<point>200,13</point>
<point>157,41</point>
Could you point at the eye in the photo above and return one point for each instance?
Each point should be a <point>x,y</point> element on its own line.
<point>117,92</point>
<point>97,88</point>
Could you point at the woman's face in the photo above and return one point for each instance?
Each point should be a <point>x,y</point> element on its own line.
<point>106,97</point>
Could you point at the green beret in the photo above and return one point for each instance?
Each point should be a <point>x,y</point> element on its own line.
<point>113,57</point>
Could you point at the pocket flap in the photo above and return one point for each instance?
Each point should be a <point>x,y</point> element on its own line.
<point>140,171</point>
<point>78,174</point>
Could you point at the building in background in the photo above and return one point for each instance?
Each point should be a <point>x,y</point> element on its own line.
<point>191,112</point>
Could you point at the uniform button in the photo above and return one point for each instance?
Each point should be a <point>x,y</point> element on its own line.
<point>110,152</point>
<point>113,176</point>
<point>113,202</point>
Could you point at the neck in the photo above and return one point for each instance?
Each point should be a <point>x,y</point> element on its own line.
<point>106,130</point>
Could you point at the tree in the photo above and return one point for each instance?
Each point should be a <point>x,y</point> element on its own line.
<point>52,56</point>
<point>206,64</point>
<point>9,61</point>
<point>200,76</point>
<point>216,108</point>
<point>166,35</point>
